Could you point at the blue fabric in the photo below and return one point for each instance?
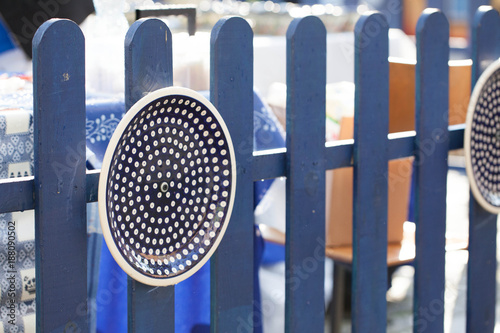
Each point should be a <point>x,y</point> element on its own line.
<point>192,296</point>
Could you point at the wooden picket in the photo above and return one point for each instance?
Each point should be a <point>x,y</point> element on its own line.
<point>148,64</point>
<point>60,184</point>
<point>305,172</point>
<point>231,92</point>
<point>431,167</point>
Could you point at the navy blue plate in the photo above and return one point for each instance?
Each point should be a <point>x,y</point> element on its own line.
<point>482,139</point>
<point>166,189</point>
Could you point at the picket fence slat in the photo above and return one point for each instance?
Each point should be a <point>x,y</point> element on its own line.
<point>481,270</point>
<point>231,92</point>
<point>16,194</point>
<point>59,181</point>
<point>473,6</point>
<point>371,127</point>
<point>148,59</point>
<point>305,172</point>
<point>431,167</point>
<point>148,67</point>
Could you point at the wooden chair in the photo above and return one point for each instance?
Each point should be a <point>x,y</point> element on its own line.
<point>401,233</point>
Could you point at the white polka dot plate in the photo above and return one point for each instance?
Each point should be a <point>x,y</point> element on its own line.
<point>482,139</point>
<point>166,189</point>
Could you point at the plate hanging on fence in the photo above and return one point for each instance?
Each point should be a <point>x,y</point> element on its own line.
<point>166,188</point>
<point>482,139</point>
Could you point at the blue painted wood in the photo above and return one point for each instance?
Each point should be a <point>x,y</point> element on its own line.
<point>473,6</point>
<point>231,91</point>
<point>305,172</point>
<point>456,133</point>
<point>351,3</point>
<point>60,208</point>
<point>148,64</point>
<point>269,164</point>
<point>484,39</point>
<point>371,119</point>
<point>338,154</point>
<point>481,271</point>
<point>431,167</point>
<point>148,59</point>
<point>233,304</point>
<point>400,144</point>
<point>17,194</point>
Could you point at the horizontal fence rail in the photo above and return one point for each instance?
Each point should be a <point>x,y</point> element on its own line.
<point>17,194</point>
<point>60,188</point>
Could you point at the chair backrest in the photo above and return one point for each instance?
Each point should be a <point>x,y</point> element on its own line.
<point>401,118</point>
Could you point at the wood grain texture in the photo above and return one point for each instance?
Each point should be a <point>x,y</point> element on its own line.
<point>481,271</point>
<point>431,167</point>
<point>370,191</point>
<point>305,172</point>
<point>59,183</point>
<point>231,91</point>
<point>148,63</point>
<point>148,59</point>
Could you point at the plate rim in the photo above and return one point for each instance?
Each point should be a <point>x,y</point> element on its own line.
<point>103,177</point>
<point>481,81</point>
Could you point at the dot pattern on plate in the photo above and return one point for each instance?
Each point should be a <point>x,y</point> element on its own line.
<point>485,140</point>
<point>169,186</point>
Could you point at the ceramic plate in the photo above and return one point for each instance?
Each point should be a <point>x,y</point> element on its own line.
<point>482,139</point>
<point>167,185</point>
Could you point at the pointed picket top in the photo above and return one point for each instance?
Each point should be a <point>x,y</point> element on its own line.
<point>60,181</point>
<point>148,55</point>
<point>231,29</point>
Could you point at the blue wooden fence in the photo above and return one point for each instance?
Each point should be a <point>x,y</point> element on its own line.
<point>61,187</point>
